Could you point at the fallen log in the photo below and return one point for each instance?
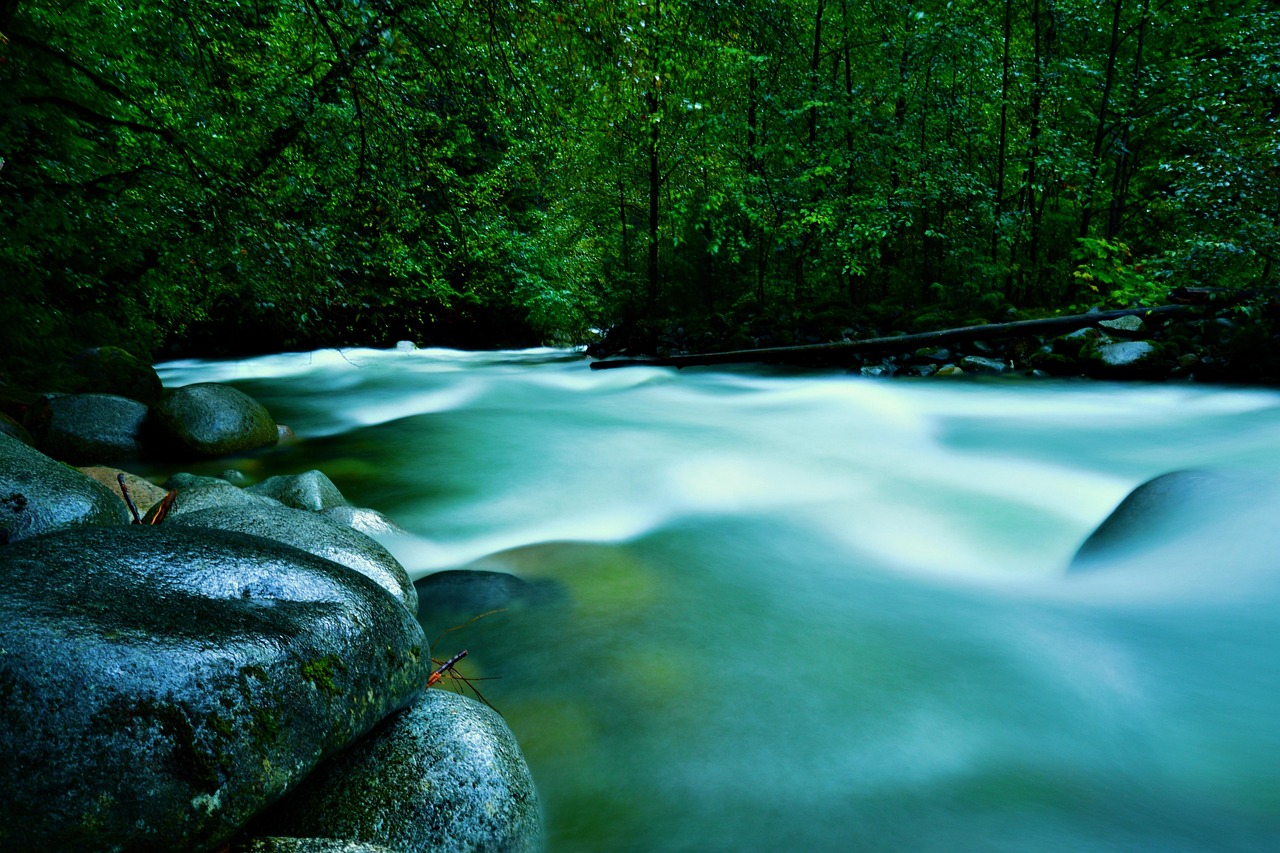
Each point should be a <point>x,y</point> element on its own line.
<point>813,352</point>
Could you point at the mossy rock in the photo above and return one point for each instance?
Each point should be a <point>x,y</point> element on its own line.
<point>112,370</point>
<point>161,685</point>
<point>445,774</point>
<point>209,420</point>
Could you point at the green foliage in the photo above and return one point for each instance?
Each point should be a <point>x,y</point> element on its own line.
<point>1106,272</point>
<point>323,173</point>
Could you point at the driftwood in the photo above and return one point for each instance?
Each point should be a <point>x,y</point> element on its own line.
<point>809,353</point>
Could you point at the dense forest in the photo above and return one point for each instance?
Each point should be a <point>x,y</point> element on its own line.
<point>294,173</point>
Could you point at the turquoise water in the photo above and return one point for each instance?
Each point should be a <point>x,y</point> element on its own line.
<point>800,610</point>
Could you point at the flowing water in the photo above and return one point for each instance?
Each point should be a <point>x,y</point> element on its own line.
<point>791,610</point>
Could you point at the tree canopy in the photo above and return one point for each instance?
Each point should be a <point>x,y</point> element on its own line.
<point>310,172</point>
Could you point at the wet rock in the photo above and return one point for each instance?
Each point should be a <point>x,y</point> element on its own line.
<point>13,429</point>
<point>1158,507</point>
<point>208,419</point>
<point>312,533</point>
<point>368,521</point>
<point>950,370</point>
<point>145,494</point>
<point>1125,359</point>
<point>445,774</point>
<point>111,370</point>
<point>196,494</point>
<point>85,429</point>
<point>307,845</point>
<point>980,365</point>
<point>39,495</point>
<point>1213,523</point>
<point>936,356</point>
<point>1129,326</point>
<point>163,684</point>
<point>310,490</point>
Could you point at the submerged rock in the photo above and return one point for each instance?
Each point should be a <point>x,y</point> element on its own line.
<point>312,533</point>
<point>209,419</point>
<point>479,591</point>
<point>444,775</point>
<point>162,684</point>
<point>39,495</point>
<point>1209,522</point>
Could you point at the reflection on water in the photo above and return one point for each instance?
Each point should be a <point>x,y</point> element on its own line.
<point>814,610</point>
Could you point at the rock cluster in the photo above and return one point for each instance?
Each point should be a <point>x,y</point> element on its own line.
<point>229,676</point>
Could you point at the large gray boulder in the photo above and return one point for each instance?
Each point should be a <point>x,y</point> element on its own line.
<point>88,429</point>
<point>444,775</point>
<point>208,419</point>
<point>161,685</point>
<point>312,533</point>
<point>39,495</point>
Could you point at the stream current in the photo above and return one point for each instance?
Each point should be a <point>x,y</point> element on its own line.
<point>785,610</point>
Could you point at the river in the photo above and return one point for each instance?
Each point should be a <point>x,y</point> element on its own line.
<point>789,610</point>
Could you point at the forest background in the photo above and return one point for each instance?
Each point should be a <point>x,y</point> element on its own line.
<point>188,176</point>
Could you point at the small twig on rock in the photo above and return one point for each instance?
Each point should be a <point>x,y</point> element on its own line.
<point>124,490</point>
<point>445,667</point>
<point>162,508</point>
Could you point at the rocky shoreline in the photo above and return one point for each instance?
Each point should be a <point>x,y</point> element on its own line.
<point>1213,342</point>
<point>247,674</point>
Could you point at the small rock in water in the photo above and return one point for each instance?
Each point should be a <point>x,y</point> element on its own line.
<point>978,364</point>
<point>1126,354</point>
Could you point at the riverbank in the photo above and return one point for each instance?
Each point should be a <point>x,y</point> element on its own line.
<point>1213,341</point>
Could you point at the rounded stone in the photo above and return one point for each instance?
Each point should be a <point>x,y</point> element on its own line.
<point>1207,518</point>
<point>312,533</point>
<point>444,775</point>
<point>162,685</point>
<point>209,419</point>
<point>310,490</point>
<point>39,495</point>
<point>88,429</point>
<point>196,494</point>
